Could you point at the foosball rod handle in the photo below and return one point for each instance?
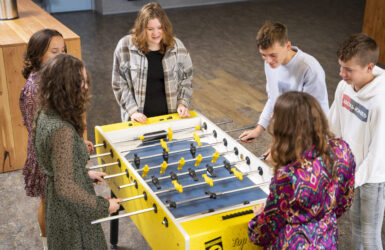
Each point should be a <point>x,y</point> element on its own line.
<point>110,218</point>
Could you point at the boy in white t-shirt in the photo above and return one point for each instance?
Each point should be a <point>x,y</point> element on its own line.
<point>287,68</point>
<point>357,115</point>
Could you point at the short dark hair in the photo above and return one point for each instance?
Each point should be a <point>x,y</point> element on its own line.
<point>270,33</point>
<point>360,46</point>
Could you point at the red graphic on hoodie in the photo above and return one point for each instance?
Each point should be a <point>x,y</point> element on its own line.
<point>346,102</point>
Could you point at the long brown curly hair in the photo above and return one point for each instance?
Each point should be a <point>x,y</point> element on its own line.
<point>148,12</point>
<point>298,123</point>
<point>36,48</point>
<point>62,91</point>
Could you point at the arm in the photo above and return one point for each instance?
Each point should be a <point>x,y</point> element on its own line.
<point>374,157</point>
<point>334,115</point>
<point>265,227</point>
<point>267,112</point>
<point>28,105</point>
<point>250,135</point>
<point>85,204</point>
<point>345,172</point>
<point>315,85</point>
<point>185,77</point>
<point>121,82</point>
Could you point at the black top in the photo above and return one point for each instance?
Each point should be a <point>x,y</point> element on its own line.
<point>155,103</point>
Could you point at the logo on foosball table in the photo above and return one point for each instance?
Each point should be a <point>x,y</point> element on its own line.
<point>215,244</point>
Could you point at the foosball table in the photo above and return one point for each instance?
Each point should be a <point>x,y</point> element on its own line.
<point>185,183</point>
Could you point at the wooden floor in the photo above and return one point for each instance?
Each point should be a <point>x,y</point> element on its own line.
<point>225,97</point>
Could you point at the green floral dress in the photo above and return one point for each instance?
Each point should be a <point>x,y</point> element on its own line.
<point>71,202</point>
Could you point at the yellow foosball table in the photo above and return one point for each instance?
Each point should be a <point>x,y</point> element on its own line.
<point>185,183</point>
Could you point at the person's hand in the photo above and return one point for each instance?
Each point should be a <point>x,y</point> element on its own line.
<point>183,111</point>
<point>114,205</point>
<point>266,156</point>
<point>259,209</point>
<point>249,136</point>
<point>96,176</point>
<point>138,117</point>
<point>90,146</point>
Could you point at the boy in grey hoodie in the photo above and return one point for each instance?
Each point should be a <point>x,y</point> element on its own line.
<point>357,115</point>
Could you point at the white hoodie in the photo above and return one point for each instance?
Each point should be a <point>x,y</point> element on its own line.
<point>359,119</point>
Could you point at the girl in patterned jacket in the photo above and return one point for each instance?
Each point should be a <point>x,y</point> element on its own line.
<point>313,182</point>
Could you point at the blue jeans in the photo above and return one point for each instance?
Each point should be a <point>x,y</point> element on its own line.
<point>366,215</point>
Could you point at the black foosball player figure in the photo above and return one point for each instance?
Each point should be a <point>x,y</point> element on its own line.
<point>152,69</point>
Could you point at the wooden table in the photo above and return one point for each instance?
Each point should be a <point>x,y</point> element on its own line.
<point>14,36</point>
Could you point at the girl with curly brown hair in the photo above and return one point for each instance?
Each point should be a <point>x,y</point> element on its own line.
<point>71,202</point>
<point>152,70</point>
<point>313,182</point>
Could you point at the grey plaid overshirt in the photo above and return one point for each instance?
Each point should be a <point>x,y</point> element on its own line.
<point>129,77</point>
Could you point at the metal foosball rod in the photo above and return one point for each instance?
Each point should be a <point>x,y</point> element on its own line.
<point>215,156</point>
<point>208,195</point>
<point>154,208</point>
<point>113,175</point>
<point>162,134</point>
<point>174,152</point>
<point>128,185</point>
<point>227,165</point>
<point>210,181</point>
<point>239,129</point>
<point>126,173</point>
<point>103,165</point>
<point>191,160</point>
<point>198,170</point>
<point>212,195</point>
<point>99,155</point>
<point>169,142</point>
<point>187,138</point>
<point>101,144</point>
<point>134,198</point>
<point>195,184</point>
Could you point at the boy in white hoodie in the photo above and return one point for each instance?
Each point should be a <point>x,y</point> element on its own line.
<point>357,115</point>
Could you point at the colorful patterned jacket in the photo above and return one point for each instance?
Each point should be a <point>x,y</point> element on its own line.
<point>304,202</point>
